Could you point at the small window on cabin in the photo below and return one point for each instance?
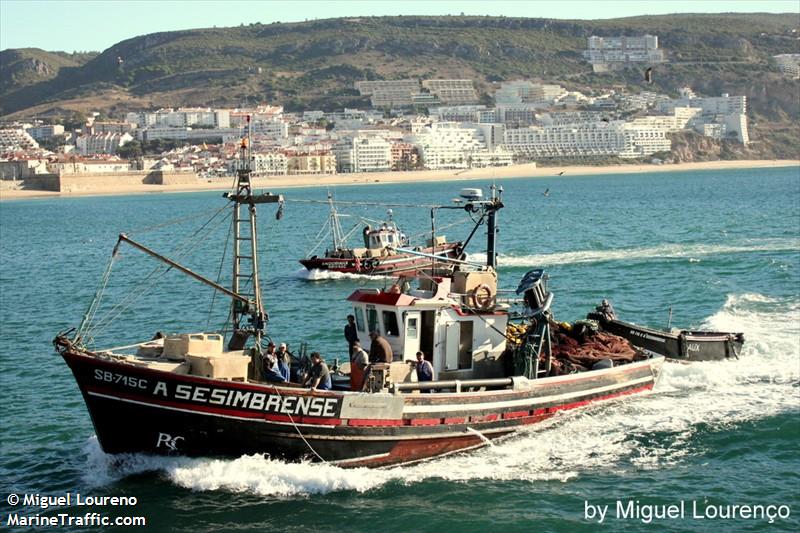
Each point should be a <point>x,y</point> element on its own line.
<point>390,323</point>
<point>411,330</point>
<point>372,318</point>
<point>359,318</point>
<point>465,346</point>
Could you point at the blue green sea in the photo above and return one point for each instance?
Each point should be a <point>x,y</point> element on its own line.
<point>720,248</point>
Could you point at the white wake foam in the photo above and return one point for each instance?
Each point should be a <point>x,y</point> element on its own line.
<point>646,432</point>
<point>691,252</point>
<point>324,275</point>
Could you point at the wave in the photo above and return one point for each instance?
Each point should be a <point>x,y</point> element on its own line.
<point>324,275</point>
<point>642,433</point>
<point>691,252</point>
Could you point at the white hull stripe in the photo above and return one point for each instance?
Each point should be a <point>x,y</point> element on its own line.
<point>494,406</point>
<point>293,434</point>
<point>197,412</point>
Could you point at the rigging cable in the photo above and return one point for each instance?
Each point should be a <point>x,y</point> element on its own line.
<point>219,276</point>
<point>181,250</point>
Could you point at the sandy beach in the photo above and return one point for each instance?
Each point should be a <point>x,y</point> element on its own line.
<point>9,192</point>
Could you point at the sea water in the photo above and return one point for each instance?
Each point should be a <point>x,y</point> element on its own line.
<point>714,249</point>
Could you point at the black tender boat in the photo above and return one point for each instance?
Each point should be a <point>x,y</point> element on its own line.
<point>677,344</point>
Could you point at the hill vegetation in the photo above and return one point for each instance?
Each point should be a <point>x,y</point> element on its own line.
<point>314,64</point>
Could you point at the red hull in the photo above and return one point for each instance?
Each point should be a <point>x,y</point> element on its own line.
<point>391,264</point>
<point>140,410</point>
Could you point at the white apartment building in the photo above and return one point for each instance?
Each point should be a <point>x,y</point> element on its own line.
<point>389,93</point>
<point>646,138</point>
<point>461,113</point>
<point>450,145</point>
<point>788,64</point>
<point>238,117</point>
<point>492,134</point>
<point>527,92</point>
<point>181,118</point>
<point>736,125</point>
<point>453,92</point>
<point>557,118</point>
<point>277,131</point>
<point>713,105</point>
<point>639,138</point>
<point>517,114</point>
<point>574,140</point>
<point>41,133</point>
<point>605,53</point>
<point>188,134</point>
<point>363,152</point>
<point>16,139</point>
<point>101,143</point>
<point>499,157</point>
<point>728,111</point>
<point>269,164</point>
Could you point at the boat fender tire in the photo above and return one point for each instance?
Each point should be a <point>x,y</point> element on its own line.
<point>371,264</point>
<point>482,297</point>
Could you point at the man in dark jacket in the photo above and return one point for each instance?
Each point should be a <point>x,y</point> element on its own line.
<point>379,350</point>
<point>350,334</point>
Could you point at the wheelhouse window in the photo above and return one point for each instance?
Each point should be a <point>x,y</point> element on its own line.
<point>372,318</point>
<point>359,312</point>
<point>390,323</point>
<point>411,329</point>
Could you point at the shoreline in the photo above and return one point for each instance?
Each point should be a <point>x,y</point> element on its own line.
<point>528,170</point>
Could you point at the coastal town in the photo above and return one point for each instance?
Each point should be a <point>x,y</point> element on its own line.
<point>412,124</point>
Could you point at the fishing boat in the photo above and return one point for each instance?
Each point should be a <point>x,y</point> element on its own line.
<point>383,252</point>
<point>496,370</point>
<point>674,344</point>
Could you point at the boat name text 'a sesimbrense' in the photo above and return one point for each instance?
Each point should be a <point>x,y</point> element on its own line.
<point>253,400</point>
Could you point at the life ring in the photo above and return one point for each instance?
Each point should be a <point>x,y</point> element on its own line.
<point>482,297</point>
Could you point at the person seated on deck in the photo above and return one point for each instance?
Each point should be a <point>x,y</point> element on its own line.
<point>319,377</point>
<point>606,310</point>
<point>282,357</point>
<point>269,365</point>
<point>379,351</point>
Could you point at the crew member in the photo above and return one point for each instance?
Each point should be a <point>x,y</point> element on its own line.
<point>606,310</point>
<point>269,365</point>
<point>350,334</point>
<point>379,350</point>
<point>424,369</point>
<point>358,364</point>
<point>319,377</point>
<point>283,360</point>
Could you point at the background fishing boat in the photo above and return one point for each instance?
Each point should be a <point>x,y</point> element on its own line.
<point>383,251</point>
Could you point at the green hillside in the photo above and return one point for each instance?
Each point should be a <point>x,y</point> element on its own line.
<point>314,64</point>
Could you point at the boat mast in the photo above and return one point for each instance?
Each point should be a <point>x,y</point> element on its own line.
<point>491,208</point>
<point>336,229</point>
<point>245,253</point>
